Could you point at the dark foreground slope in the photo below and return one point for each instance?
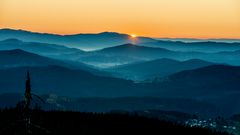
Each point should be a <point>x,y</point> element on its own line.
<point>72,123</point>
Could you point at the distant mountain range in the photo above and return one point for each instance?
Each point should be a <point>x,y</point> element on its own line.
<point>117,55</point>
<point>206,72</point>
<point>203,46</point>
<point>136,53</point>
<point>157,68</point>
<point>19,58</point>
<point>125,54</point>
<point>191,40</point>
<point>39,48</point>
<point>81,41</point>
<point>110,39</point>
<point>111,54</point>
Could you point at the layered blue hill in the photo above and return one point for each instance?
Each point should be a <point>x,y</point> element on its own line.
<point>157,68</point>
<point>81,41</point>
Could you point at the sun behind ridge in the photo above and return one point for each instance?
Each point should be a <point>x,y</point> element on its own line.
<point>133,35</point>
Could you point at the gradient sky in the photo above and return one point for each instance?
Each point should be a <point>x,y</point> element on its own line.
<point>155,18</point>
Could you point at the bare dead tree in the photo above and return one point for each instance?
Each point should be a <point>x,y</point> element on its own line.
<point>27,107</point>
<point>26,113</point>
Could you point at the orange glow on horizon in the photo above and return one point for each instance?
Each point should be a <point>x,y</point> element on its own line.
<point>152,18</point>
<point>133,35</point>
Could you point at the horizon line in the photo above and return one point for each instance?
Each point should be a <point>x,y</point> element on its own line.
<point>95,33</point>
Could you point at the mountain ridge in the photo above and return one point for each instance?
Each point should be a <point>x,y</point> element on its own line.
<point>81,41</point>
<point>149,70</point>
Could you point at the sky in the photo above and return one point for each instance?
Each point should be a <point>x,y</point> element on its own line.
<point>153,18</point>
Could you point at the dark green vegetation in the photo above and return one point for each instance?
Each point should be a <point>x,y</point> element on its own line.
<point>73,123</point>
